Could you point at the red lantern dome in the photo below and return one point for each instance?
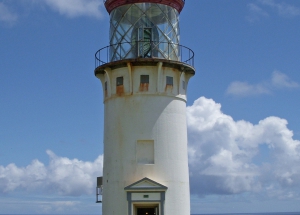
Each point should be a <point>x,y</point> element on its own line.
<point>112,4</point>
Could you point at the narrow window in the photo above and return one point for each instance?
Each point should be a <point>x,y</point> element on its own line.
<point>120,86</point>
<point>119,81</point>
<point>105,88</point>
<point>169,80</point>
<point>144,79</point>
<point>145,152</point>
<point>144,85</point>
<point>183,85</point>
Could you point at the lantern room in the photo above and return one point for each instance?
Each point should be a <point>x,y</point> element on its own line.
<point>144,29</point>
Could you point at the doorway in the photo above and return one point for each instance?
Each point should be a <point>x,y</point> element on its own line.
<point>147,210</point>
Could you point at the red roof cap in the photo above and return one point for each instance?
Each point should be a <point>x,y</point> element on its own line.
<point>112,4</point>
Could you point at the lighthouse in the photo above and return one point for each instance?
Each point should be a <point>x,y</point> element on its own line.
<point>144,73</point>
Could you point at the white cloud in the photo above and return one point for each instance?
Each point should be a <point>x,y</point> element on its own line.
<point>75,8</point>
<point>6,15</point>
<point>238,88</point>
<point>244,89</point>
<point>68,8</point>
<point>263,8</point>
<point>281,80</point>
<point>282,8</point>
<point>62,176</point>
<point>223,154</point>
<point>224,158</point>
<point>255,12</point>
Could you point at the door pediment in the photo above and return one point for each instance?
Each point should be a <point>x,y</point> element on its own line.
<point>146,184</point>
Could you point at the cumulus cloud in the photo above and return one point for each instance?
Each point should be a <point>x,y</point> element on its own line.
<point>62,176</point>
<point>223,154</point>
<point>6,15</point>
<point>278,80</point>
<point>226,157</point>
<point>75,8</point>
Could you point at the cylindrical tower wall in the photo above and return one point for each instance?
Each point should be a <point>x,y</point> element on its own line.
<point>159,121</point>
<point>147,118</point>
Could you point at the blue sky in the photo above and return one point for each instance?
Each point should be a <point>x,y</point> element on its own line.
<point>243,108</point>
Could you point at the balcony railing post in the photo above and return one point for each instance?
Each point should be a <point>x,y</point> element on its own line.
<point>119,51</point>
<point>107,54</point>
<point>168,50</point>
<point>150,48</point>
<point>180,49</point>
<point>143,53</point>
<point>193,60</point>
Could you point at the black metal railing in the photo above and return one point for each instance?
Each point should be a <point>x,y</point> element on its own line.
<point>144,49</point>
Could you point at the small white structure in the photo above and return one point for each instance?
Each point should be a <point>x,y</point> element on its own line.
<point>144,74</point>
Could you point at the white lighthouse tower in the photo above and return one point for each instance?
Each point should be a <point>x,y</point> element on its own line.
<point>144,73</point>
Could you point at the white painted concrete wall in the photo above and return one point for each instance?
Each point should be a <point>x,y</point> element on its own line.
<point>158,115</point>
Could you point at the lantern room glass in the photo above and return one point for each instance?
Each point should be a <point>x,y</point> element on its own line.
<point>144,30</point>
